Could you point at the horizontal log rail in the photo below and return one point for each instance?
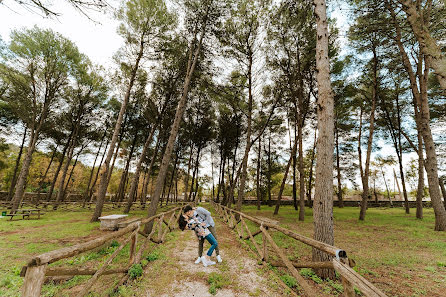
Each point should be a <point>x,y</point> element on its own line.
<point>37,268</point>
<point>79,205</point>
<point>349,277</point>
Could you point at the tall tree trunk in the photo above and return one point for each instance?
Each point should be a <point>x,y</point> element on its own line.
<point>244,173</point>
<point>323,196</point>
<point>42,180</point>
<point>443,190</point>
<point>338,167</point>
<point>17,165</point>
<point>282,186</point>
<point>125,174</point>
<point>400,156</point>
<point>141,198</point>
<point>90,195</point>
<point>212,173</point>
<point>135,179</point>
<point>387,187</point>
<point>258,191</point>
<point>301,168</point>
<point>294,157</point>
<point>220,177</point>
<point>21,181</point>
<point>195,165</point>
<point>429,47</point>
<point>366,173</point>
<point>172,176</point>
<point>269,171</point>
<point>193,192</point>
<point>193,58</point>
<point>310,178</point>
<point>431,157</point>
<point>421,106</point>
<point>59,166</point>
<point>189,164</point>
<point>70,153</point>
<point>90,178</point>
<point>102,189</point>
<point>149,171</point>
<point>115,156</point>
<point>65,189</point>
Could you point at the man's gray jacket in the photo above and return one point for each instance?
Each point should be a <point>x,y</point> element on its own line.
<point>204,216</point>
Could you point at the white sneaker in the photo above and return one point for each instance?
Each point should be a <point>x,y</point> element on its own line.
<point>219,259</point>
<point>198,260</point>
<point>211,263</point>
<point>204,261</point>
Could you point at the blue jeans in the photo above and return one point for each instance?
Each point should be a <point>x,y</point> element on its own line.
<point>211,239</point>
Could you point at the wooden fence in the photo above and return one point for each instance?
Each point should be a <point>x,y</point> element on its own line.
<point>340,262</point>
<point>79,205</point>
<point>37,268</point>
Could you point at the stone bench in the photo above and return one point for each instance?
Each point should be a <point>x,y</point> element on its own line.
<point>110,222</point>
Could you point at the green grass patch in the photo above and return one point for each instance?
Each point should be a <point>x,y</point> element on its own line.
<point>217,281</point>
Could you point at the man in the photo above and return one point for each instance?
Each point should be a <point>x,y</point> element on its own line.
<point>204,216</point>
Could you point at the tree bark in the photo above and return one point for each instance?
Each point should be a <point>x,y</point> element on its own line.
<point>301,167</point>
<point>365,174</point>
<point>258,191</point>
<point>94,165</point>
<point>443,190</point>
<point>102,189</point>
<point>244,173</point>
<point>282,186</point>
<point>338,168</point>
<point>431,159</point>
<point>186,181</point>
<point>310,178</point>
<point>323,196</point>
<point>149,172</point>
<point>70,153</point>
<point>90,195</point>
<point>59,166</point>
<point>42,180</point>
<point>125,173</point>
<point>426,42</point>
<point>17,165</point>
<point>135,179</point>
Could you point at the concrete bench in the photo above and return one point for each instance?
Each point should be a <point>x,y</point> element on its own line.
<point>110,222</point>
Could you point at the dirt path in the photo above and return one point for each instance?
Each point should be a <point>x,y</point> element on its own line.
<point>238,274</point>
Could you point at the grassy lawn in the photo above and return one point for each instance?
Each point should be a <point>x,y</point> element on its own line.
<point>23,239</point>
<point>400,254</point>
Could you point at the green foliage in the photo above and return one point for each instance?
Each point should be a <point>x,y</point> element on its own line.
<point>153,256</point>
<point>217,281</point>
<point>114,243</point>
<point>307,272</point>
<point>135,271</point>
<point>289,280</point>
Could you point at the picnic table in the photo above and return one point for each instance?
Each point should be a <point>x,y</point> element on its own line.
<point>25,212</point>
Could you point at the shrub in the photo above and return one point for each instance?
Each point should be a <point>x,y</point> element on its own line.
<point>289,280</point>
<point>135,271</point>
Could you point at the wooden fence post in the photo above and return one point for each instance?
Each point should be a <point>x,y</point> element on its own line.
<point>302,282</point>
<point>252,238</point>
<point>34,277</point>
<point>265,247</point>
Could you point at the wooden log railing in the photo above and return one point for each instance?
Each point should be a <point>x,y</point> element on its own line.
<point>80,205</point>
<point>37,268</point>
<point>340,262</point>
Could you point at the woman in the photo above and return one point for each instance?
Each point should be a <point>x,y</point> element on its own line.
<point>202,233</point>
